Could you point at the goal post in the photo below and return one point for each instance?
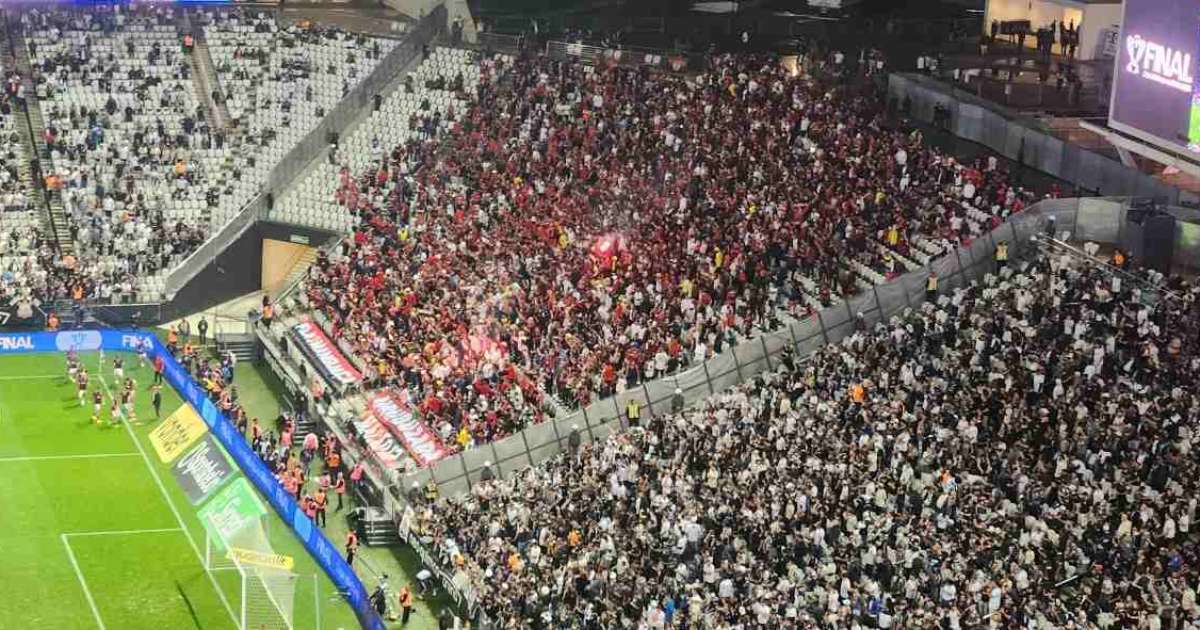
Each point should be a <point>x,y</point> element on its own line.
<point>266,583</point>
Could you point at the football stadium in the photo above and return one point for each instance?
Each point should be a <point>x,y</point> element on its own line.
<point>599,314</point>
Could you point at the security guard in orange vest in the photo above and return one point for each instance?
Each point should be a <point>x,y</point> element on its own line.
<point>406,604</point>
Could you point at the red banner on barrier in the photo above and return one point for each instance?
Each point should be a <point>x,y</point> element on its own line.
<point>332,363</point>
<point>392,411</point>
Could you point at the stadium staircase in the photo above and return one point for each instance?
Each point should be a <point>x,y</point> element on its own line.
<point>244,346</point>
<point>12,48</point>
<point>377,529</point>
<point>204,76</point>
<point>31,135</point>
<point>299,269</point>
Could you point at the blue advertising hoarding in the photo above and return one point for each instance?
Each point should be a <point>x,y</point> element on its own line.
<point>315,542</point>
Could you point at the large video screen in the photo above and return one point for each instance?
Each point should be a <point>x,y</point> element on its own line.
<point>1155,96</point>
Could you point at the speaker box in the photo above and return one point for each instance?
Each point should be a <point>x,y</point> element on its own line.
<point>1150,239</point>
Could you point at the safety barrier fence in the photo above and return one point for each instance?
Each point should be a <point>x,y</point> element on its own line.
<point>537,443</point>
<point>675,61</point>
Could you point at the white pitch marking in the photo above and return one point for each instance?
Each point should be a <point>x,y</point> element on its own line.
<point>79,574</point>
<point>125,532</point>
<point>170,502</point>
<point>44,458</point>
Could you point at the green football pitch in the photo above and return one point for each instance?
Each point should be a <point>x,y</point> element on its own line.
<point>97,533</point>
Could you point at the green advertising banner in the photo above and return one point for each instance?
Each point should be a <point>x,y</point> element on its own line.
<point>232,509</point>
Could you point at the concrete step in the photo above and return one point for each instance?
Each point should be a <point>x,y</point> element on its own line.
<point>244,347</point>
<point>376,528</point>
<point>298,272</point>
<point>29,125</point>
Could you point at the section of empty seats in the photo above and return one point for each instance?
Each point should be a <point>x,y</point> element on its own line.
<point>279,81</point>
<point>127,143</point>
<point>437,92</point>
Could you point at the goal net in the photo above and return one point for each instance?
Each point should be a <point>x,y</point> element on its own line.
<point>267,585</point>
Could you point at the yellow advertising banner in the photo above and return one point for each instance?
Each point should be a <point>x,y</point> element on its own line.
<point>179,431</point>
<point>262,559</point>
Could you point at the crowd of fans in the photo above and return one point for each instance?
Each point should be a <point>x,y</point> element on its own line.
<point>142,171</point>
<point>122,123</point>
<point>580,229</point>
<point>1014,454</point>
<point>278,80</point>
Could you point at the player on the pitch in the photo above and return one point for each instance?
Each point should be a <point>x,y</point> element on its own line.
<point>81,383</point>
<point>72,366</point>
<point>119,368</point>
<point>143,353</point>
<point>114,412</point>
<point>127,396</point>
<point>97,403</point>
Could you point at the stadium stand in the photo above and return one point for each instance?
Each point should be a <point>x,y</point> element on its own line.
<point>441,84</point>
<point>636,222</point>
<point>122,122</point>
<point>1014,455</point>
<point>144,177</point>
<point>278,81</point>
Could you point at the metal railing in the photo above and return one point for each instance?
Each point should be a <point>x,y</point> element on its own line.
<point>310,148</point>
<point>1101,220</point>
<point>673,60</point>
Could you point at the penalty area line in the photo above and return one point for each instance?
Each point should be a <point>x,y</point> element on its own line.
<point>125,532</point>
<point>167,497</point>
<point>47,458</point>
<point>87,593</point>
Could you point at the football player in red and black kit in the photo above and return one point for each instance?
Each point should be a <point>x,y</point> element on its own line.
<point>81,383</point>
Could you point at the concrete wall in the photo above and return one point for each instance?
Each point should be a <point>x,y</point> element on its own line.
<point>1097,18</point>
<point>417,9</point>
<point>1091,19</point>
<point>278,260</point>
<point>1024,140</point>
<point>238,270</point>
